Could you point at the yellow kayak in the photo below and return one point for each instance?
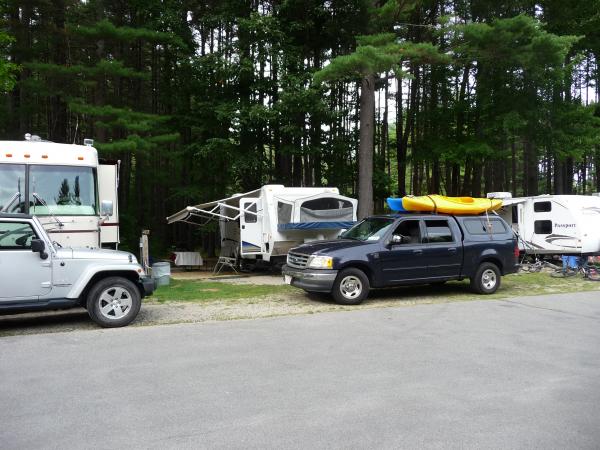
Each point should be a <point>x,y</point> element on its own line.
<point>450,205</point>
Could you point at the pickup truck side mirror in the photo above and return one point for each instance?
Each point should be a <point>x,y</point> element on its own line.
<point>106,208</point>
<point>38,246</point>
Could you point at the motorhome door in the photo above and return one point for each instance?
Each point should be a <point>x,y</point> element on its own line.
<point>251,227</point>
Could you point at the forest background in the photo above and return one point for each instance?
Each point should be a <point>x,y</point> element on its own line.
<point>202,99</point>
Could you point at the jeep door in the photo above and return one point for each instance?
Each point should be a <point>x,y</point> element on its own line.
<point>443,251</point>
<point>404,261</point>
<point>23,274</point>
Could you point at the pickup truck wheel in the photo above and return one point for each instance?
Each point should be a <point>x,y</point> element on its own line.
<point>113,302</point>
<point>487,279</point>
<point>351,287</point>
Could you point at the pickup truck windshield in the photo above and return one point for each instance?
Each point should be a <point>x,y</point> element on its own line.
<point>371,229</point>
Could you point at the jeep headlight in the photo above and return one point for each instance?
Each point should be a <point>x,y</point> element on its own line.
<point>320,262</point>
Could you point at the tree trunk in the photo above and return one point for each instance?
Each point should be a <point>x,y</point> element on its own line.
<point>365,151</point>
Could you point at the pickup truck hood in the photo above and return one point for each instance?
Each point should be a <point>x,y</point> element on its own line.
<point>327,247</point>
<point>95,253</point>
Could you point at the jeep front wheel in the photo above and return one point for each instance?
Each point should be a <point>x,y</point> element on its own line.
<point>113,302</point>
<point>487,279</point>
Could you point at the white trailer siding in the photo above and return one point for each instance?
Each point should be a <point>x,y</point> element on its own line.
<point>555,224</point>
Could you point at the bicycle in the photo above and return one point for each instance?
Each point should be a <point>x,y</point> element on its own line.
<point>537,266</point>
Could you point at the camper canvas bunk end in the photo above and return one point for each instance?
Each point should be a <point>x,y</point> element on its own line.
<point>267,222</point>
<point>554,224</point>
<point>73,195</point>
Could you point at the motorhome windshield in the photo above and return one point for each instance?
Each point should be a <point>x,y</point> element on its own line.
<point>371,229</point>
<point>12,188</point>
<point>62,191</point>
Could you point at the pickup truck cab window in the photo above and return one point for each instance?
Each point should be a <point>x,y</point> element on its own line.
<point>438,231</point>
<point>371,229</point>
<point>410,231</point>
<point>16,236</point>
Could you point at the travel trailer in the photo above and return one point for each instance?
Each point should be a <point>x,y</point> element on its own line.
<point>267,222</point>
<point>65,186</point>
<point>553,224</point>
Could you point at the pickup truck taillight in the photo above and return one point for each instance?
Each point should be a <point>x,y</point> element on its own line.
<point>516,251</point>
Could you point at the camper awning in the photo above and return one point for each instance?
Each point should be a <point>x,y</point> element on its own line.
<point>205,212</point>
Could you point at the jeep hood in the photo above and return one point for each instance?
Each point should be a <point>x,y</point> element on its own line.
<point>96,253</point>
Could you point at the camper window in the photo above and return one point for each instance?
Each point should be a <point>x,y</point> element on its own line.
<point>326,209</point>
<point>248,217</point>
<point>284,212</point>
<point>542,227</point>
<point>542,207</point>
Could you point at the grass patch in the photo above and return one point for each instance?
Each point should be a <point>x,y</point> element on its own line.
<point>516,285</point>
<point>204,291</point>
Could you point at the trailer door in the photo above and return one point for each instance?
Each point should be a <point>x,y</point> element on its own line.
<point>108,179</point>
<point>251,227</point>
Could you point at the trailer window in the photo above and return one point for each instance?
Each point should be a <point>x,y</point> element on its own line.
<point>284,212</point>
<point>12,188</point>
<point>542,227</point>
<point>62,190</point>
<point>542,207</point>
<point>326,209</point>
<point>248,217</point>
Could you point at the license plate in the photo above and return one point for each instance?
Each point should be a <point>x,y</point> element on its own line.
<point>287,279</point>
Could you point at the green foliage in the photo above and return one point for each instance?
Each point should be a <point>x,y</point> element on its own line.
<point>8,69</point>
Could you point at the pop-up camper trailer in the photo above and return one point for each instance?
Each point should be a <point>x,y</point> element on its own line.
<point>267,222</point>
<point>554,224</point>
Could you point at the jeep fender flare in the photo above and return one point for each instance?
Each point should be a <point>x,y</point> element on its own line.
<point>91,271</point>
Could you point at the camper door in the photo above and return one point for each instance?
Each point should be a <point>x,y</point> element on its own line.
<point>251,227</point>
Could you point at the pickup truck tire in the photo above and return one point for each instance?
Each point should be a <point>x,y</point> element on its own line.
<point>113,302</point>
<point>486,279</point>
<point>351,287</point>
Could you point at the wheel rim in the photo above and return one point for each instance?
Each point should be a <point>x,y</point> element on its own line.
<point>489,279</point>
<point>115,303</point>
<point>351,287</point>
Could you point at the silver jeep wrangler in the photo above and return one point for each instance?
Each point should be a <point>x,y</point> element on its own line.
<point>37,274</point>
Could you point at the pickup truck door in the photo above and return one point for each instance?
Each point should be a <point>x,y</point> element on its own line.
<point>404,262</point>
<point>23,274</point>
<point>443,251</point>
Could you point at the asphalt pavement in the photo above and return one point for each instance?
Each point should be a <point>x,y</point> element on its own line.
<point>519,373</point>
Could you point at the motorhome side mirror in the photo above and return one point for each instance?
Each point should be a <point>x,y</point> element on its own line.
<point>38,246</point>
<point>106,208</point>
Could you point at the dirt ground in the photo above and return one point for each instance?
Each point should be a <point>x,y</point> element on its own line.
<point>230,277</point>
<point>152,313</point>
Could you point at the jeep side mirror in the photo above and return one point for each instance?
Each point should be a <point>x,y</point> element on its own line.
<point>106,208</point>
<point>38,246</point>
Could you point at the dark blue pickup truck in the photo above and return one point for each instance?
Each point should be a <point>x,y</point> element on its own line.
<point>392,250</point>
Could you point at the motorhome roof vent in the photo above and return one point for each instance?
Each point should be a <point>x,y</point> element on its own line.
<point>88,142</point>
<point>32,137</point>
<point>499,195</point>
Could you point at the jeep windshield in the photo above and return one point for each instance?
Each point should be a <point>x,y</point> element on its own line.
<point>371,229</point>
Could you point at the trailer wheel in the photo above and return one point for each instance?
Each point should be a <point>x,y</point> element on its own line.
<point>351,287</point>
<point>486,279</point>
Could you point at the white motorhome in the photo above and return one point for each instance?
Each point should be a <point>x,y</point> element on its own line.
<point>267,222</point>
<point>73,195</point>
<point>554,224</point>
